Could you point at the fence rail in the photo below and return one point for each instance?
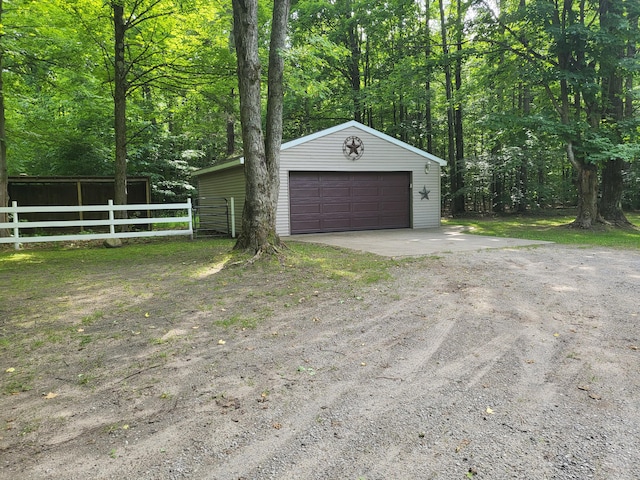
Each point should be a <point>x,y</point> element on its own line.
<point>17,224</point>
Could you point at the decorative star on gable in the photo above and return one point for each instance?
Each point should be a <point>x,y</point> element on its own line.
<point>353,148</point>
<point>424,193</point>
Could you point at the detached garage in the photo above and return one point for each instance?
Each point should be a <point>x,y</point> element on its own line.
<point>349,177</point>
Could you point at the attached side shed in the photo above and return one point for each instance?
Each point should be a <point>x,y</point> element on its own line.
<point>349,177</point>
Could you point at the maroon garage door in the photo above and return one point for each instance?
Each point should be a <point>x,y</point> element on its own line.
<point>341,201</point>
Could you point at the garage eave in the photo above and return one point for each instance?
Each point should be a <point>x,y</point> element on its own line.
<point>216,168</point>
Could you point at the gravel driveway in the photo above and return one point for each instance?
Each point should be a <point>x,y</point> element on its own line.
<point>492,364</point>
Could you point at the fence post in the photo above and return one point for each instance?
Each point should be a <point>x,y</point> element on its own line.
<point>232,206</point>
<point>16,225</point>
<point>190,218</point>
<point>112,227</point>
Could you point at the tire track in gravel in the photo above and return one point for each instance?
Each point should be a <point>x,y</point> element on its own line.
<point>265,449</point>
<point>411,370</point>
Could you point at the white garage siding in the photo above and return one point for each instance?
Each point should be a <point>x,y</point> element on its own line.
<point>381,154</point>
<point>322,152</point>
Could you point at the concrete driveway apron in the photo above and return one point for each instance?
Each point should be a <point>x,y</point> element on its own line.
<point>412,242</point>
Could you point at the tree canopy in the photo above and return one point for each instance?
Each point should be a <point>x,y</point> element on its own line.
<point>534,103</point>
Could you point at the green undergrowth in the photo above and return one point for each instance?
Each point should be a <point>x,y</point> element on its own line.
<point>552,228</point>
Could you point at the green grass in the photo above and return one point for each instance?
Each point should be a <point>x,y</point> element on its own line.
<point>339,264</point>
<point>552,228</point>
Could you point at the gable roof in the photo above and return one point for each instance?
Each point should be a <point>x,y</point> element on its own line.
<point>323,133</point>
<point>368,130</point>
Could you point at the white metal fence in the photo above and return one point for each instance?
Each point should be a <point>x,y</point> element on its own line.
<point>16,224</point>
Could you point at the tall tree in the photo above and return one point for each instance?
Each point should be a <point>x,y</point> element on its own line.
<point>120,88</point>
<point>612,24</point>
<point>261,152</point>
<point>454,175</point>
<point>4,177</point>
<point>459,197</point>
<point>428,113</point>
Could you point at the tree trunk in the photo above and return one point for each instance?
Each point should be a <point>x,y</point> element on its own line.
<point>275,103</point>
<point>612,91</point>
<point>120,104</point>
<point>459,199</point>
<point>523,171</point>
<point>451,159</point>
<point>4,177</point>
<point>568,60</point>
<point>354,71</point>
<point>428,115</point>
<point>611,193</point>
<point>587,213</point>
<point>261,163</point>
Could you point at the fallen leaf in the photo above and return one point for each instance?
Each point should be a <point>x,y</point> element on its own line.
<point>81,330</point>
<point>50,395</point>
<point>221,342</point>
<point>125,427</point>
<point>556,334</point>
<point>195,327</point>
<point>10,370</point>
<point>462,444</point>
<point>363,364</point>
<point>489,410</point>
<point>146,315</point>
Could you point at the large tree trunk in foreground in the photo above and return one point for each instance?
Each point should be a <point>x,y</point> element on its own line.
<point>261,164</point>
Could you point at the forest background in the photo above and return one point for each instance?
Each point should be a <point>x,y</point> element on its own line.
<point>533,103</point>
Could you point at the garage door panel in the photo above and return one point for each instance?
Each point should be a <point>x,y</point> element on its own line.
<point>335,225</point>
<point>309,225</point>
<point>305,209</point>
<point>330,208</point>
<point>337,192</point>
<point>304,193</point>
<point>341,201</point>
<point>371,191</point>
<point>366,207</point>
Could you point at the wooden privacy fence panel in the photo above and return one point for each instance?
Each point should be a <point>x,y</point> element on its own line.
<point>18,224</point>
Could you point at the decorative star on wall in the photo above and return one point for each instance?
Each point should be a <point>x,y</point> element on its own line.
<point>424,193</point>
<point>353,148</point>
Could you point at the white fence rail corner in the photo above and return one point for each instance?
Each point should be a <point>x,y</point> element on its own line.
<point>18,224</point>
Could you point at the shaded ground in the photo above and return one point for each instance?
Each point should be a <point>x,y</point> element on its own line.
<point>514,363</point>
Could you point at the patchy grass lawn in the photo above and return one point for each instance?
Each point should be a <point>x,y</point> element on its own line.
<point>551,228</point>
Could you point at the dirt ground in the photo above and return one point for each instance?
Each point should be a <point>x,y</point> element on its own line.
<point>496,364</point>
